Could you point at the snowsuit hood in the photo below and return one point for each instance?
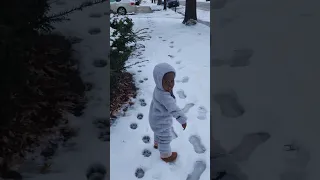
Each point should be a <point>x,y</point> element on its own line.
<point>159,71</point>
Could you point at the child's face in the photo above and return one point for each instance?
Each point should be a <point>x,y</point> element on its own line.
<point>168,81</point>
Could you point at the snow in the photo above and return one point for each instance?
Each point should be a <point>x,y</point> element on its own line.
<point>86,149</point>
<point>276,88</point>
<point>153,6</point>
<point>190,49</point>
<point>190,55</point>
<point>201,14</point>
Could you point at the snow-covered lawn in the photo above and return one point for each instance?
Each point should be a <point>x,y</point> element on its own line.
<point>131,147</point>
<point>73,160</point>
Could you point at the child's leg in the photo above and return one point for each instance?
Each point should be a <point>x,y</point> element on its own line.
<point>164,140</point>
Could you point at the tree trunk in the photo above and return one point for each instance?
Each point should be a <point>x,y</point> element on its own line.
<point>159,2</point>
<point>190,11</point>
<point>165,5</point>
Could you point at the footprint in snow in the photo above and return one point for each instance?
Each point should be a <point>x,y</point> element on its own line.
<point>171,42</point>
<point>139,173</point>
<point>95,15</point>
<point>142,102</point>
<point>171,56</point>
<point>178,62</point>
<point>145,79</point>
<point>198,169</point>
<point>197,144</point>
<point>187,107</point>
<point>164,40</point>
<point>160,37</point>
<point>171,46</point>
<point>139,71</point>
<point>202,113</point>
<point>94,31</point>
<point>184,79</point>
<point>99,63</point>
<point>181,94</point>
<point>146,139</point>
<point>146,153</point>
<point>179,50</point>
<point>225,167</point>
<point>133,125</point>
<point>248,144</point>
<point>229,104</point>
<point>140,116</point>
<point>140,81</point>
<point>241,57</point>
<point>96,171</point>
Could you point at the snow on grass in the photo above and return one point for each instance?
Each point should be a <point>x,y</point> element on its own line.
<point>188,50</point>
<point>72,161</point>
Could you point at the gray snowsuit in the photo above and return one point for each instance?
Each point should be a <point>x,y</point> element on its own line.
<point>162,108</point>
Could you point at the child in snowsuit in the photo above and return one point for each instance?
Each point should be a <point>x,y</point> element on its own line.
<point>163,107</point>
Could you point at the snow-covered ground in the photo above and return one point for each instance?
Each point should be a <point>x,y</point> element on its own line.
<point>131,147</point>
<point>201,14</point>
<point>272,75</point>
<point>73,160</point>
<point>90,146</point>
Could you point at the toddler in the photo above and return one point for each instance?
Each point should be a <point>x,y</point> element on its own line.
<point>162,108</point>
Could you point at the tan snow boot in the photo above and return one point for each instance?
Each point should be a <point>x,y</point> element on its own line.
<point>172,158</point>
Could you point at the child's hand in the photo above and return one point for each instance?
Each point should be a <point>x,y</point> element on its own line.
<point>184,126</point>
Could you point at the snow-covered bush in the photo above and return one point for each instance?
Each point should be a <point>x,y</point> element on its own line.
<point>122,42</point>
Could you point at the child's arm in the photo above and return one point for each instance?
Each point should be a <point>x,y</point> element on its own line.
<point>170,104</point>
